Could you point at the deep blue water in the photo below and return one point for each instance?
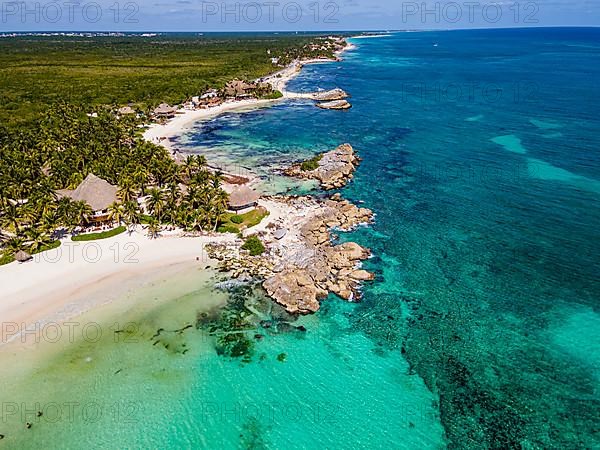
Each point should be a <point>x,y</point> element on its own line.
<point>482,162</point>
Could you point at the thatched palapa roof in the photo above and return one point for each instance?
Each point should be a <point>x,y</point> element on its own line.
<point>238,87</point>
<point>164,109</point>
<point>126,110</point>
<point>243,196</point>
<point>96,192</point>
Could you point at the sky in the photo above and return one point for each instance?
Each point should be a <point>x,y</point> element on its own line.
<point>296,15</point>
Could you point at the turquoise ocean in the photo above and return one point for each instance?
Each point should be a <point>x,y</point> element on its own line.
<point>481,160</point>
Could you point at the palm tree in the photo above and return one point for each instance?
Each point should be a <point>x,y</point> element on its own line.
<point>36,239</point>
<point>216,179</point>
<point>170,174</point>
<point>30,212</point>
<point>220,199</point>
<point>173,193</point>
<point>49,221</point>
<point>189,166</point>
<point>195,219</point>
<point>82,212</point>
<point>181,216</point>
<point>153,228</point>
<point>140,178</point>
<point>126,191</point>
<point>14,244</point>
<point>64,210</point>
<point>201,161</point>
<point>116,212</point>
<point>156,202</point>
<point>131,214</point>
<point>12,216</point>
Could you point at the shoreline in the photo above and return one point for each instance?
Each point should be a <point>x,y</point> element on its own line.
<point>161,134</point>
<point>74,278</point>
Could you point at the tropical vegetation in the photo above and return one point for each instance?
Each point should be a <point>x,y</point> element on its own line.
<point>67,145</point>
<point>59,122</point>
<point>234,223</point>
<point>101,235</point>
<point>36,72</point>
<point>311,164</point>
<point>254,246</point>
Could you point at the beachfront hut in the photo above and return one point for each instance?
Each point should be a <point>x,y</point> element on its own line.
<point>237,88</point>
<point>97,193</point>
<point>211,93</point>
<point>126,110</point>
<point>22,256</point>
<point>164,110</point>
<point>243,198</point>
<point>215,101</point>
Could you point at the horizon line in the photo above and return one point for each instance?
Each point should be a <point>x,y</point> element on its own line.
<point>304,31</point>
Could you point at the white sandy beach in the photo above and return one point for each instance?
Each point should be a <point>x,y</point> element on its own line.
<point>160,133</point>
<point>79,276</point>
<point>185,118</point>
<point>92,272</point>
<point>76,277</point>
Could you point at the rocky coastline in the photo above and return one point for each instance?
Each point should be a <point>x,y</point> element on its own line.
<point>304,266</point>
<point>333,169</point>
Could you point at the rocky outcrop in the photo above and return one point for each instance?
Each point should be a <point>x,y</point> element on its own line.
<point>294,290</point>
<point>338,104</point>
<point>304,267</point>
<point>330,96</point>
<point>328,268</point>
<point>334,168</point>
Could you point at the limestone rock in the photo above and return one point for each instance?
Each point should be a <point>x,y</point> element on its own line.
<point>334,169</point>
<point>304,266</point>
<point>329,96</point>
<point>362,275</point>
<point>337,105</point>
<point>292,290</point>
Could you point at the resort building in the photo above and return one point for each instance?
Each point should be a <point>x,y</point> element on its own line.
<point>165,111</point>
<point>215,101</point>
<point>211,93</point>
<point>97,193</point>
<point>243,199</point>
<point>126,110</point>
<point>209,98</point>
<point>239,88</point>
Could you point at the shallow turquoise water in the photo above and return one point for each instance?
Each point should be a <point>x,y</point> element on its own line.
<point>481,161</point>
